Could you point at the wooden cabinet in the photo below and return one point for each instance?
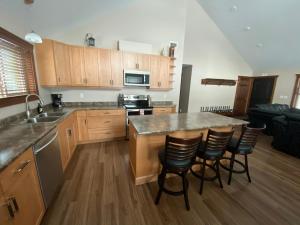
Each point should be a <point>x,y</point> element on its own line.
<point>137,61</point>
<point>82,135</point>
<point>91,66</point>
<point>116,68</point>
<point>20,192</point>
<point>62,63</point>
<point>160,73</point>
<point>105,77</point>
<point>164,110</point>
<point>67,139</point>
<point>106,124</point>
<point>77,68</point>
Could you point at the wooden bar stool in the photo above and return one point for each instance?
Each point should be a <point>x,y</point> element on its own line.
<point>177,158</point>
<point>242,146</point>
<point>212,150</point>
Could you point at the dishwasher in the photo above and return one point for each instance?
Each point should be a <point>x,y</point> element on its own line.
<point>49,167</point>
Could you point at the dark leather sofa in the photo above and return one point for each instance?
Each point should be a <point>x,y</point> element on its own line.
<point>264,113</point>
<point>286,133</point>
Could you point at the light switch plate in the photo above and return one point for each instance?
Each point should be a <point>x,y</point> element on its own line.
<point>81,95</point>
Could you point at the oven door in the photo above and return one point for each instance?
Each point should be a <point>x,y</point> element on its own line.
<point>136,78</point>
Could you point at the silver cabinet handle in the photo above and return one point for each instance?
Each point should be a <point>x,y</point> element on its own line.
<point>22,167</point>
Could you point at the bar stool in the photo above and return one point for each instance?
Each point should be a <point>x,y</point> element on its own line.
<point>177,158</point>
<point>212,150</point>
<point>242,146</point>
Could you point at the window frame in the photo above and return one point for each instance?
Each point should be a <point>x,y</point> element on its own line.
<point>9,101</point>
<point>296,91</point>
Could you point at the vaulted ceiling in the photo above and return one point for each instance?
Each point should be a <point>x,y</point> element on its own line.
<point>265,32</point>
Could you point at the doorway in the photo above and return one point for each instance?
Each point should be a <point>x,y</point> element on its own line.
<point>186,76</point>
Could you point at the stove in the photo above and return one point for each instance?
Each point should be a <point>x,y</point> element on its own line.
<point>135,105</point>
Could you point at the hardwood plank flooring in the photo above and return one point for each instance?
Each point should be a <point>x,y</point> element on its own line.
<point>98,189</point>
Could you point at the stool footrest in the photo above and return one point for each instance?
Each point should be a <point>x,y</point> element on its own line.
<point>235,160</point>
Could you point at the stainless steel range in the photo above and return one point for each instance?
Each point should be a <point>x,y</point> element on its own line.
<point>135,105</point>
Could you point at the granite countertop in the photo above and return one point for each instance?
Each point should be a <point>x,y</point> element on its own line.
<point>158,124</point>
<point>19,136</point>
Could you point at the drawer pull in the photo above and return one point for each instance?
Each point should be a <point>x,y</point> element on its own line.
<point>108,121</point>
<point>14,201</point>
<point>22,167</point>
<point>107,113</point>
<point>10,210</point>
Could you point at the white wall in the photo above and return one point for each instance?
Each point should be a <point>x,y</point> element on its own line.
<point>14,18</point>
<point>212,56</point>
<point>155,22</point>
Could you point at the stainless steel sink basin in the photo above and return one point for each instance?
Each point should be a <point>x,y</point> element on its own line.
<point>51,114</point>
<point>47,119</point>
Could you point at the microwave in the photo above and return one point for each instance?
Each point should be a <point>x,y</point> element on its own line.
<point>136,78</point>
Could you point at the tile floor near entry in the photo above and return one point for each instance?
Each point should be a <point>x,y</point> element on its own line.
<point>98,189</point>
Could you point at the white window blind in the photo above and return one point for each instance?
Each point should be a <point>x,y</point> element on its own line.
<point>17,76</point>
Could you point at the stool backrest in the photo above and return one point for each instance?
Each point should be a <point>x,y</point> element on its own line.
<point>249,136</point>
<point>217,140</point>
<point>181,149</point>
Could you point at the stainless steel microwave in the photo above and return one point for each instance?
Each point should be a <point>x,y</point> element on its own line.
<point>136,78</point>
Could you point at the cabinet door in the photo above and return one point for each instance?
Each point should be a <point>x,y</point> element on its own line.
<point>45,63</point>
<point>5,207</point>
<point>105,79</point>
<point>82,126</point>
<point>62,63</point>
<point>164,72</point>
<point>130,60</point>
<point>143,62</point>
<point>21,188</point>
<point>116,68</point>
<point>77,66</point>
<point>91,66</point>
<point>155,71</point>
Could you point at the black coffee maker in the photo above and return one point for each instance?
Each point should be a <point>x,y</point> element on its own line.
<point>57,100</point>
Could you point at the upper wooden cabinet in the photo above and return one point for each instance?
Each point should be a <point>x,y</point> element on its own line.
<point>66,65</point>
<point>91,66</point>
<point>78,76</point>
<point>21,193</point>
<point>160,72</point>
<point>136,61</point>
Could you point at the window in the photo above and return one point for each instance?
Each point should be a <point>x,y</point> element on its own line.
<point>17,74</point>
<point>296,95</point>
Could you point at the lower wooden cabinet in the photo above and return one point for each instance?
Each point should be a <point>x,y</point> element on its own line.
<point>164,110</point>
<point>97,125</point>
<point>21,201</point>
<point>67,139</point>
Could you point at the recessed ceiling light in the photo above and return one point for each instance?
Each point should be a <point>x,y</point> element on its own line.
<point>234,8</point>
<point>259,45</point>
<point>247,28</point>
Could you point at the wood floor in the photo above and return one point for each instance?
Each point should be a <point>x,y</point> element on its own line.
<point>98,189</point>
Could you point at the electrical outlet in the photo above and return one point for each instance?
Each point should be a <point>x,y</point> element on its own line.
<point>81,95</point>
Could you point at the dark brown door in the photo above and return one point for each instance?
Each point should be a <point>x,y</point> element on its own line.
<point>242,95</point>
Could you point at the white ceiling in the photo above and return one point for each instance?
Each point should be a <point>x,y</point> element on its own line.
<point>274,23</point>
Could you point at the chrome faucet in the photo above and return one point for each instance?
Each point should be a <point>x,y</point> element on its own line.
<point>27,105</point>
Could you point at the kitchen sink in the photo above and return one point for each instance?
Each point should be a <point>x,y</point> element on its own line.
<point>47,119</point>
<point>51,114</point>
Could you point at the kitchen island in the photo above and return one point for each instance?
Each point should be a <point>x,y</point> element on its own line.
<point>147,136</point>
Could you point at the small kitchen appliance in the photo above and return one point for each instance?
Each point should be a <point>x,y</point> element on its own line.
<point>57,100</point>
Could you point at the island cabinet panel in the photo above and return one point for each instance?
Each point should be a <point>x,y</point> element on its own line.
<point>106,124</point>
<point>105,74</point>
<point>67,139</point>
<point>116,68</point>
<point>62,63</point>
<point>44,56</point>
<point>164,110</point>
<point>91,66</point>
<point>77,66</point>
<point>21,192</point>
<point>82,134</point>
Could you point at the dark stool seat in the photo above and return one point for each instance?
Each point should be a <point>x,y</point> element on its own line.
<point>212,150</point>
<point>243,145</point>
<point>177,158</point>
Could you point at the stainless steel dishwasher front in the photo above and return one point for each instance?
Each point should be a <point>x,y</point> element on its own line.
<point>48,161</point>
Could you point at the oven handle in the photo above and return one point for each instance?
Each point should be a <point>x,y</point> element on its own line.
<point>133,110</point>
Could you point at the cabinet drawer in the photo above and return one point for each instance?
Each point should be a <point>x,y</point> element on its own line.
<point>105,122</point>
<point>16,168</point>
<point>114,112</point>
<point>163,110</point>
<point>81,113</point>
<point>97,133</point>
